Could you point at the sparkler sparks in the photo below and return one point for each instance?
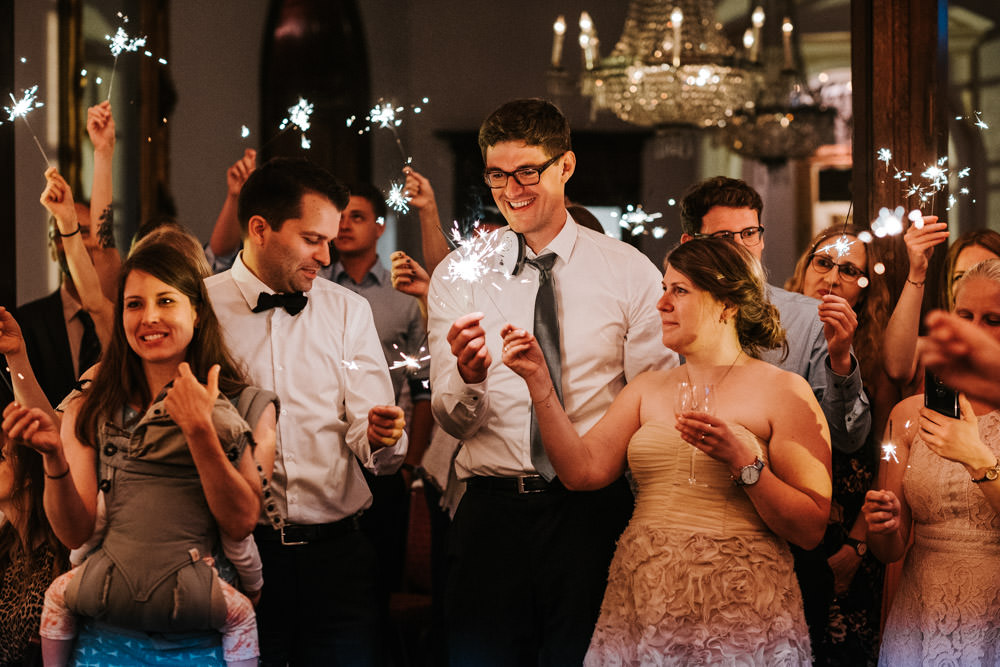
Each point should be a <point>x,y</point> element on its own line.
<point>413,363</point>
<point>885,155</point>
<point>889,451</point>
<point>122,43</point>
<point>299,117</point>
<point>385,115</point>
<point>21,108</point>
<point>841,246</point>
<point>635,220</point>
<point>398,200</point>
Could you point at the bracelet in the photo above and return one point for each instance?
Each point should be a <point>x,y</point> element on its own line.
<point>73,233</point>
<point>547,397</point>
<point>59,476</point>
<point>914,283</point>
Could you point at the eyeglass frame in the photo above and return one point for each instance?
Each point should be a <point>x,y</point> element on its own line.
<point>840,268</point>
<point>758,230</point>
<point>507,174</point>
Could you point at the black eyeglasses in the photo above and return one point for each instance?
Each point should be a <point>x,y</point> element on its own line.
<point>749,236</point>
<point>497,178</point>
<point>823,264</point>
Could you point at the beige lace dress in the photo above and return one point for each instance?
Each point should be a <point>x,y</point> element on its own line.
<point>697,577</point>
<point>947,608</point>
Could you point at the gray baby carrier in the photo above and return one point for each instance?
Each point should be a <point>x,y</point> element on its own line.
<point>149,573</point>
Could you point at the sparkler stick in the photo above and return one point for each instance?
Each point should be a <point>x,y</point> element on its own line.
<point>21,108</point>
<point>7,382</point>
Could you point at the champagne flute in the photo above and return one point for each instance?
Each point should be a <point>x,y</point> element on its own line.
<point>702,400</point>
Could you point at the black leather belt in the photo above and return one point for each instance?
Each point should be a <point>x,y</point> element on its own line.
<point>293,534</point>
<point>514,485</point>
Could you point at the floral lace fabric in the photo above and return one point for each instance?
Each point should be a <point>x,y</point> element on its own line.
<point>697,577</point>
<point>947,608</point>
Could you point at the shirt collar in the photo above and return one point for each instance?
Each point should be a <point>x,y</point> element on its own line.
<point>250,286</point>
<point>563,243</point>
<point>378,272</point>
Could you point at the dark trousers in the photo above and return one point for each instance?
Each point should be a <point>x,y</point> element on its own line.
<point>816,582</point>
<point>527,573</point>
<point>319,605</point>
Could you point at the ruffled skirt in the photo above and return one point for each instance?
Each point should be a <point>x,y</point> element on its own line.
<point>676,598</point>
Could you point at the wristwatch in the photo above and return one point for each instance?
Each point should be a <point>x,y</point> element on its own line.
<point>991,474</point>
<point>860,547</point>
<point>749,475</point>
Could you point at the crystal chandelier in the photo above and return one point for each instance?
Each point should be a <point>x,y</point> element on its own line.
<point>785,121</point>
<point>672,65</point>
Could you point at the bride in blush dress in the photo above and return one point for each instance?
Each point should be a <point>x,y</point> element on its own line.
<point>703,573</point>
<point>942,483</point>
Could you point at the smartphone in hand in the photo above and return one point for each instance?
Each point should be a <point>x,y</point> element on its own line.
<point>940,397</point>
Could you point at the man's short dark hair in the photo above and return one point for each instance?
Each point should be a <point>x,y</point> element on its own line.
<point>534,121</point>
<point>717,191</point>
<point>373,195</point>
<point>274,191</point>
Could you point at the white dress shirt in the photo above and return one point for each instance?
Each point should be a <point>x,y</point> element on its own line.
<point>327,367</point>
<point>606,294</point>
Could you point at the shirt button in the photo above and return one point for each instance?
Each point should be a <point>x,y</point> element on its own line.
<point>284,412</point>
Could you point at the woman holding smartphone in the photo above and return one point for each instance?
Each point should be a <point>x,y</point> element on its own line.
<point>939,478</point>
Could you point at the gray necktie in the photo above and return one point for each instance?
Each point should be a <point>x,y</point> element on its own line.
<point>547,334</point>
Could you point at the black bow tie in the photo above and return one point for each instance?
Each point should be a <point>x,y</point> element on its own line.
<point>293,302</point>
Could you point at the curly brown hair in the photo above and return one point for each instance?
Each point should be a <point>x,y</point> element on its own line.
<point>734,277</point>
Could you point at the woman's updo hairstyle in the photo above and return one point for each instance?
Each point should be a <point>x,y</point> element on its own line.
<point>734,277</point>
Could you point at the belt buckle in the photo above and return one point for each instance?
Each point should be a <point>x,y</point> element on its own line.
<point>288,543</point>
<point>520,484</point>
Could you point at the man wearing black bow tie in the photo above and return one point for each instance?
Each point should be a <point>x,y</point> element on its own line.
<point>315,345</point>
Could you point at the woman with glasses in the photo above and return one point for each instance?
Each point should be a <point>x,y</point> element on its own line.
<point>854,308</point>
<point>940,483</point>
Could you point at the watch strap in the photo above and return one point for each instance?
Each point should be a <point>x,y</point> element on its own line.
<point>991,474</point>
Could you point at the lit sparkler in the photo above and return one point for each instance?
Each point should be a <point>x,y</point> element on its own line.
<point>885,155</point>
<point>889,452</point>
<point>635,220</point>
<point>398,200</point>
<point>21,108</point>
<point>385,115</point>
<point>841,246</point>
<point>299,116</point>
<point>122,43</point>
<point>413,363</point>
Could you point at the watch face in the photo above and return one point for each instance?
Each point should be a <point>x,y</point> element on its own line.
<point>749,475</point>
<point>861,548</point>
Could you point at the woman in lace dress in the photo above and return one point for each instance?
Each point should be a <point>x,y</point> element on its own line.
<point>702,574</point>
<point>939,479</point>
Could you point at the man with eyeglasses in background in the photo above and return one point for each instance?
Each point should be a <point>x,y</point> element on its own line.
<point>728,208</point>
<point>529,558</point>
